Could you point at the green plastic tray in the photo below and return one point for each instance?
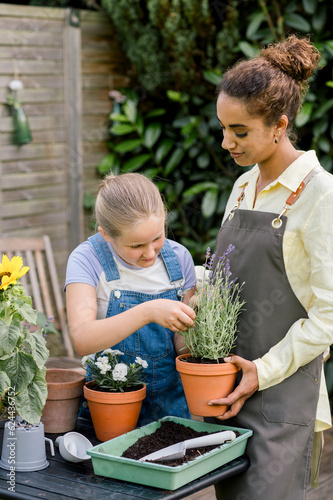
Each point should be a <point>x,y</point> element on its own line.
<point>107,460</point>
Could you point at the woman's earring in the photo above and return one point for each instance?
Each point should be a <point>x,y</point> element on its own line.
<point>276,140</point>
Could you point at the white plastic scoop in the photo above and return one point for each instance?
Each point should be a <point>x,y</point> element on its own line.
<point>178,450</point>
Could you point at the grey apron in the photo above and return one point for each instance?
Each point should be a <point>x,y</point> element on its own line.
<point>282,417</point>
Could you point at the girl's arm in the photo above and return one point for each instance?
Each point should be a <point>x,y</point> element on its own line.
<point>90,335</point>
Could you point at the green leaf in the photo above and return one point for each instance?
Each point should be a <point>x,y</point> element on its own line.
<point>109,162</point>
<point>122,129</point>
<point>4,383</point>
<point>256,19</point>
<point>173,161</point>
<point>27,313</point>
<point>37,346</point>
<point>324,144</point>
<point>163,149</point>
<point>156,112</point>
<point>20,368</point>
<point>9,335</point>
<point>129,145</point>
<point>309,6</point>
<point>135,162</point>
<point>248,50</point>
<point>203,159</point>
<point>323,109</point>
<point>211,76</point>
<point>304,114</point>
<point>152,134</point>
<point>130,109</point>
<point>117,117</point>
<point>320,127</point>
<point>319,19</point>
<point>209,202</point>
<point>297,22</point>
<point>199,188</point>
<point>174,96</point>
<point>31,400</point>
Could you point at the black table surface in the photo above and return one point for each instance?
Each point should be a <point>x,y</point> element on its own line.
<point>62,479</point>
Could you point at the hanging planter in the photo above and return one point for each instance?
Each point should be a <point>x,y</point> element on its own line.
<point>203,382</point>
<point>113,413</point>
<point>22,134</point>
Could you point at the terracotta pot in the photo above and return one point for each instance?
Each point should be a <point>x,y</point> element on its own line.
<point>65,388</point>
<point>203,382</point>
<point>113,413</point>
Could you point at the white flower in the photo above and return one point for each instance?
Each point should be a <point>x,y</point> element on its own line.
<point>119,372</point>
<point>105,368</point>
<point>141,362</point>
<point>113,352</point>
<point>84,361</point>
<point>102,359</point>
<point>15,85</point>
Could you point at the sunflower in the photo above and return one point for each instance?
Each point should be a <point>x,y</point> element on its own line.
<point>10,271</point>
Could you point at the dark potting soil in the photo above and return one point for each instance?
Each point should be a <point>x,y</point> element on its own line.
<point>167,434</point>
<point>206,361</point>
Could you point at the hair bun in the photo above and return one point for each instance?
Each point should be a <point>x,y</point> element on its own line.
<point>297,57</point>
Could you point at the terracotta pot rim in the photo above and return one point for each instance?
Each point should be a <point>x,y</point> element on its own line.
<point>114,397</point>
<point>204,368</point>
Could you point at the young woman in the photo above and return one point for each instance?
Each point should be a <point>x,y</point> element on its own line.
<point>279,219</point>
<point>128,287</point>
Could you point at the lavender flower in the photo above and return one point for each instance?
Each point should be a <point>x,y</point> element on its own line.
<point>217,304</point>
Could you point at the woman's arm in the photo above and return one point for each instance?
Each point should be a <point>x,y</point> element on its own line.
<point>90,335</point>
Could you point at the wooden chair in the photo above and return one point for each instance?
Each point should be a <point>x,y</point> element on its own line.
<point>42,284</point>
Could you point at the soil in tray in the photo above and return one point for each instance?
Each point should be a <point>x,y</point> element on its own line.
<point>167,434</point>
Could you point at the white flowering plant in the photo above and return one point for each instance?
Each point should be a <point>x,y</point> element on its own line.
<point>111,374</point>
<point>218,304</point>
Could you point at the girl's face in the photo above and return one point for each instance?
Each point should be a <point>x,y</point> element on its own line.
<point>141,245</point>
<point>246,137</point>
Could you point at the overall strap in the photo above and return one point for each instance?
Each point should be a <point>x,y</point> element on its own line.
<point>171,262</point>
<point>105,257</point>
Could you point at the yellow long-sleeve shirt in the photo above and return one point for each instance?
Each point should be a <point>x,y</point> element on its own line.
<point>308,258</point>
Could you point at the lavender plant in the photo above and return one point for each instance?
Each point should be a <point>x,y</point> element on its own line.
<point>218,304</point>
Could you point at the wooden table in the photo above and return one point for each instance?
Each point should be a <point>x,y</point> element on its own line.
<point>66,480</point>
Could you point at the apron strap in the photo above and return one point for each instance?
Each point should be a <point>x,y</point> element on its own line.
<point>276,223</point>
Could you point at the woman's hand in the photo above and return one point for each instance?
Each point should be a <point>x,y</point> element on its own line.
<point>248,385</point>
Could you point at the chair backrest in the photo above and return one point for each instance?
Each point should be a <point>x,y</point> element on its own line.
<point>41,282</point>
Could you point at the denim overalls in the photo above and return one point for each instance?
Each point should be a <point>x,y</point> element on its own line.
<point>153,343</point>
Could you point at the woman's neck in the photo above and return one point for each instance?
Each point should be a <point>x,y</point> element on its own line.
<point>270,171</point>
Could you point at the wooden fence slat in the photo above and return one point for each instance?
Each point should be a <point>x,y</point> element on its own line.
<point>34,281</point>
<point>23,180</point>
<point>31,207</point>
<point>29,193</point>
<point>30,11</point>
<point>22,38</point>
<point>54,165</point>
<point>36,81</point>
<point>36,220</point>
<point>31,151</point>
<point>30,66</point>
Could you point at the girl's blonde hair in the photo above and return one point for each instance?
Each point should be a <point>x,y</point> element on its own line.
<point>125,200</point>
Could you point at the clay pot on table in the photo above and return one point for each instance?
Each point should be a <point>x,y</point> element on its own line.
<point>65,389</point>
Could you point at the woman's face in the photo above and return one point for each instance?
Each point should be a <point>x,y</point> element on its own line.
<point>141,245</point>
<point>246,137</point>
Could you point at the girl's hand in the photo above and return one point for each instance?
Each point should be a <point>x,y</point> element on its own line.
<point>248,385</point>
<point>171,314</point>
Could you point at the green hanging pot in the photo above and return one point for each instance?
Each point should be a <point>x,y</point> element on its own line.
<point>21,126</point>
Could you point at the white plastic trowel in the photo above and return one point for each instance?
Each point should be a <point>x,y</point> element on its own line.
<point>178,450</point>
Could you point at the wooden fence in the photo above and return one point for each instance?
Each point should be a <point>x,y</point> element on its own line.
<point>68,61</point>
